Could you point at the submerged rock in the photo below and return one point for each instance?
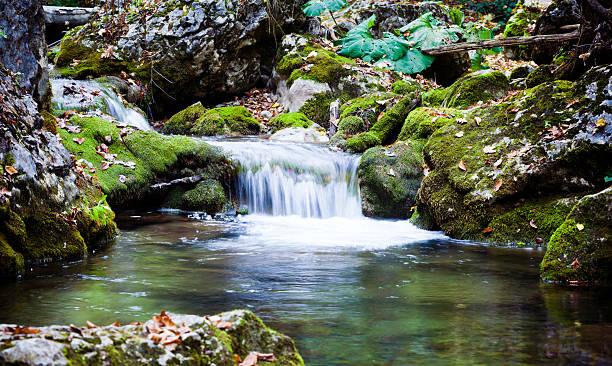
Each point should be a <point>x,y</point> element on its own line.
<point>210,340</point>
<point>314,133</point>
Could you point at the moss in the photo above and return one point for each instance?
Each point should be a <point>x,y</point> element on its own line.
<point>289,63</point>
<point>423,121</point>
<point>225,120</point>
<point>207,196</point>
<point>323,66</point>
<point>539,76</point>
<point>477,86</point>
<point>52,237</point>
<point>174,198</point>
<point>519,23</point>
<point>367,106</point>
<point>11,262</point>
<point>580,249</point>
<point>49,122</point>
<point>351,125</point>
<point>183,121</point>
<point>362,142</point>
<point>403,87</point>
<point>286,120</point>
<point>389,179</point>
<point>317,109</point>
<point>434,97</point>
<point>520,72</point>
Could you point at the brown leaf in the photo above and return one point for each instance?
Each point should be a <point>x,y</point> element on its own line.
<point>90,325</point>
<point>250,360</point>
<point>572,102</point>
<point>478,120</point>
<point>532,224</point>
<point>76,329</point>
<point>487,230</point>
<point>575,264</point>
<point>462,165</point>
<point>514,110</point>
<point>10,170</point>
<point>224,325</point>
<point>115,324</point>
<point>498,184</point>
<point>105,165</point>
<point>108,53</point>
<point>79,140</point>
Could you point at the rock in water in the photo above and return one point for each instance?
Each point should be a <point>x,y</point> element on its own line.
<point>300,134</point>
<point>23,48</point>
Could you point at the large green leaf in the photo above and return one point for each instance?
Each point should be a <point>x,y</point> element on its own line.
<point>314,8</point>
<point>427,32</point>
<point>358,42</point>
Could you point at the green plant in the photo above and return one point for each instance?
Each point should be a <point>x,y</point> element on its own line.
<point>477,32</point>
<point>2,34</point>
<point>401,52</point>
<point>314,8</point>
<point>97,211</point>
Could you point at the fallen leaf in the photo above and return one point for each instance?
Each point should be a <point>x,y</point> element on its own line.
<point>108,139</point>
<point>539,240</point>
<point>477,120</point>
<point>498,163</point>
<point>90,325</point>
<point>122,178</point>
<point>600,123</point>
<point>115,324</point>
<point>462,165</point>
<point>575,264</point>
<point>105,165</point>
<point>224,325</point>
<point>459,134</point>
<point>580,227</point>
<point>572,103</point>
<point>253,357</point>
<point>108,53</point>
<point>10,170</point>
<point>487,230</point>
<point>461,120</point>
<point>76,329</point>
<point>532,224</point>
<point>498,184</point>
<point>489,149</point>
<point>79,140</point>
<point>514,110</point>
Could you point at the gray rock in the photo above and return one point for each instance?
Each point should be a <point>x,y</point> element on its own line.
<point>300,92</point>
<point>24,49</point>
<point>313,133</point>
<point>35,351</point>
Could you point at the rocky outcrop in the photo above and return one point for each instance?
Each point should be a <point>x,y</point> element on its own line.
<point>479,86</point>
<point>510,172</point>
<point>199,121</point>
<point>165,339</point>
<point>46,210</point>
<point>558,14</point>
<point>23,48</point>
<point>203,50</point>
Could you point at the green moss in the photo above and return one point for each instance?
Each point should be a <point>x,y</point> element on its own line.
<point>478,86</point>
<point>183,121</point>
<point>519,23</point>
<point>225,120</point>
<point>538,76</point>
<point>584,240</point>
<point>423,121</point>
<point>207,196</point>
<point>174,198</point>
<point>289,63</point>
<point>50,122</point>
<point>286,120</point>
<point>520,72</point>
<point>317,109</point>
<point>351,125</point>
<point>403,87</point>
<point>434,97</point>
<point>362,142</point>
<point>368,106</point>
<point>11,262</point>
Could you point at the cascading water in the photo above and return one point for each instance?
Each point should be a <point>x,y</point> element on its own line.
<point>295,179</point>
<point>89,95</point>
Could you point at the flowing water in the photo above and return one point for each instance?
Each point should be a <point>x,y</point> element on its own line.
<point>350,290</point>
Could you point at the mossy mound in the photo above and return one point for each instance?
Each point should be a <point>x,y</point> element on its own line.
<point>522,19</point>
<point>539,76</point>
<point>423,121</point>
<point>478,86</point>
<point>387,128</point>
<point>317,109</point>
<point>226,120</point>
<point>286,120</point>
<point>351,125</point>
<point>207,196</point>
<point>580,250</point>
<point>142,158</point>
<point>202,342</point>
<point>434,97</point>
<point>494,167</point>
<point>389,179</point>
<point>368,106</point>
<point>182,122</point>
<point>404,87</point>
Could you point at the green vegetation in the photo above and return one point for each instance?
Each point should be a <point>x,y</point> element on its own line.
<point>286,120</point>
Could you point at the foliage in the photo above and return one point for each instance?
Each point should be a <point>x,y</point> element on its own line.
<point>477,32</point>
<point>2,34</point>
<point>315,8</point>
<point>400,52</point>
<point>97,211</point>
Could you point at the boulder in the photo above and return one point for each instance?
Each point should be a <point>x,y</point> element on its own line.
<point>314,133</point>
<point>389,179</point>
<point>509,172</point>
<point>46,208</point>
<point>483,85</point>
<point>23,48</point>
<point>579,251</point>
<point>558,14</point>
<point>197,120</point>
<point>211,340</point>
<point>285,120</point>
<point>204,50</point>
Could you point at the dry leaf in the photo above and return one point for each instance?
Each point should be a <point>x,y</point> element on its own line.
<point>90,325</point>
<point>10,170</point>
<point>459,134</point>
<point>79,140</point>
<point>487,230</point>
<point>105,165</point>
<point>498,184</point>
<point>575,264</point>
<point>572,103</point>
<point>580,227</point>
<point>224,325</point>
<point>497,163</point>
<point>462,165</point>
<point>115,324</point>
<point>532,224</point>
<point>108,53</point>
<point>477,120</point>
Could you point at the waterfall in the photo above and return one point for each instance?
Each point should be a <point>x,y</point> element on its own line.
<point>285,179</point>
<point>86,95</point>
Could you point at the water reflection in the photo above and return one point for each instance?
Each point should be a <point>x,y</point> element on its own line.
<point>429,301</point>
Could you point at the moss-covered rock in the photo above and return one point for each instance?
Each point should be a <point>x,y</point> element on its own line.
<point>434,97</point>
<point>580,250</point>
<point>538,76</point>
<point>226,120</point>
<point>142,159</point>
<point>478,86</point>
<point>404,87</point>
<point>351,125</point>
<point>387,128</point>
<point>389,179</point>
<point>317,109</point>
<point>423,121</point>
<point>368,106</point>
<point>207,196</point>
<point>50,122</point>
<point>182,122</point>
<point>522,20</point>
<point>533,150</point>
<point>201,342</point>
<point>286,120</point>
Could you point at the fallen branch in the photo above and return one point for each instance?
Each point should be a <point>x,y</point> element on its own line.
<point>67,16</point>
<point>501,42</point>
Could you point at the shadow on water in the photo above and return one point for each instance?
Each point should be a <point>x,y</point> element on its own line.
<point>344,299</point>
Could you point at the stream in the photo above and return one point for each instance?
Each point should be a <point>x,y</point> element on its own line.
<point>349,290</point>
